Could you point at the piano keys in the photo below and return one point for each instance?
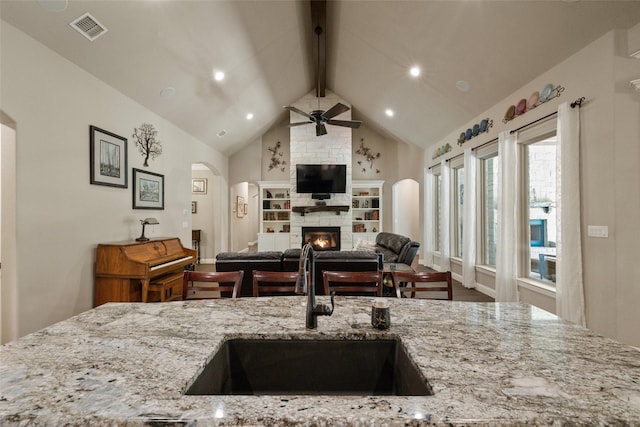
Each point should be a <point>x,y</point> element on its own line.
<point>141,271</point>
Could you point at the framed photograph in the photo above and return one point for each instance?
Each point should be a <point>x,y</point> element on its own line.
<point>148,190</point>
<point>239,206</point>
<point>108,158</point>
<point>194,207</point>
<point>199,185</point>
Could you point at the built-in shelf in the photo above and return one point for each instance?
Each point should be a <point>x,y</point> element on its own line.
<point>303,210</point>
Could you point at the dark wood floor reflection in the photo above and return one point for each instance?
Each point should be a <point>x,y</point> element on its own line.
<point>460,293</point>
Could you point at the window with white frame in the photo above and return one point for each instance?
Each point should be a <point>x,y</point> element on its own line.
<point>488,203</point>
<point>457,204</point>
<point>437,207</point>
<point>539,201</point>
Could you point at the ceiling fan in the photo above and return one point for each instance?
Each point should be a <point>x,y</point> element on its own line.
<point>321,117</point>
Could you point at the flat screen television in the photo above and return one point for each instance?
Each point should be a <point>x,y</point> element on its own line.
<point>321,179</point>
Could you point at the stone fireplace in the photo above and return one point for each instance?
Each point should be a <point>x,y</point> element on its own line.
<point>322,238</point>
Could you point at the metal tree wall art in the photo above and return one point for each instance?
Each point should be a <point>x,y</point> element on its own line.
<point>145,139</point>
<point>276,157</point>
<point>367,154</point>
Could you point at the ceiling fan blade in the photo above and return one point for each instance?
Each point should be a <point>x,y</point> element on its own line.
<point>354,124</point>
<point>299,124</point>
<point>297,110</point>
<point>335,110</point>
<point>320,129</point>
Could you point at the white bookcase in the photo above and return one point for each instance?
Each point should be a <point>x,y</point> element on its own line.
<point>366,210</point>
<point>275,215</point>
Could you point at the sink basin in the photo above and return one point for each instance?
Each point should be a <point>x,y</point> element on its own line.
<point>311,367</point>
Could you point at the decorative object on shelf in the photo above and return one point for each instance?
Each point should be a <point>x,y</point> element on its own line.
<point>368,154</point>
<point>150,221</point>
<point>194,207</point>
<point>474,131</point>
<point>286,228</point>
<point>145,139</point>
<point>199,185</point>
<point>148,190</point>
<point>239,207</point>
<point>108,158</point>
<point>442,150</point>
<point>355,203</point>
<point>535,99</point>
<point>269,196</point>
<point>277,160</point>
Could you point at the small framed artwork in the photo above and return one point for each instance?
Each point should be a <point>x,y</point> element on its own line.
<point>108,158</point>
<point>239,206</point>
<point>148,190</point>
<point>194,207</point>
<point>199,185</point>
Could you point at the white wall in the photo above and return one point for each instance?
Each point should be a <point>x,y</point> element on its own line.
<point>610,154</point>
<point>61,216</point>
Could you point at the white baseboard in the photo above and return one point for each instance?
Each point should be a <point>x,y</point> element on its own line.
<point>486,290</point>
<point>207,261</point>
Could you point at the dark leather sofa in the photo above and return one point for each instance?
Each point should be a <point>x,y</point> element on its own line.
<point>390,247</point>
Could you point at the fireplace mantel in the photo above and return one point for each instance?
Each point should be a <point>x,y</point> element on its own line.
<point>303,210</point>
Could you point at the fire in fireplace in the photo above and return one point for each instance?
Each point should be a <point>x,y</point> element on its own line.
<point>322,238</point>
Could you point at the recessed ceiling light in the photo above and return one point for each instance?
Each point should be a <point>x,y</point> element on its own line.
<point>415,71</point>
<point>389,112</point>
<point>218,75</point>
<point>463,86</point>
<point>168,92</point>
<point>249,116</point>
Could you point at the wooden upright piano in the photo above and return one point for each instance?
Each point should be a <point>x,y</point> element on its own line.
<point>141,271</point>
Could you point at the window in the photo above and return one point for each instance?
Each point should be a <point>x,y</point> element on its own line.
<point>487,210</point>
<point>437,208</point>
<point>489,206</point>
<point>540,182</point>
<point>458,213</point>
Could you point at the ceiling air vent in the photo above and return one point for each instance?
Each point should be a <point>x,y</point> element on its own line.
<point>222,133</point>
<point>88,26</point>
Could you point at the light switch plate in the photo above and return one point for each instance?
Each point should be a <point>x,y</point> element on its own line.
<point>598,231</point>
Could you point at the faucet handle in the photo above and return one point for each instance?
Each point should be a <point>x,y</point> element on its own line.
<point>323,309</point>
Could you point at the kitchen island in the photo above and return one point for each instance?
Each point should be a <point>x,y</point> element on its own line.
<point>487,363</point>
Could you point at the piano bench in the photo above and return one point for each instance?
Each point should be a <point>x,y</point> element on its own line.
<point>168,287</point>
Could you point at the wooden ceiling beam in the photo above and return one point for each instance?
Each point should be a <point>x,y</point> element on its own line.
<point>318,26</point>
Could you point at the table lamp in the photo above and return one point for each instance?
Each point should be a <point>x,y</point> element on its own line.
<point>144,222</point>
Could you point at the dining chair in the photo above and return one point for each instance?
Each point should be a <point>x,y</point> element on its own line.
<point>352,282</point>
<point>274,282</point>
<point>422,282</point>
<point>226,283</point>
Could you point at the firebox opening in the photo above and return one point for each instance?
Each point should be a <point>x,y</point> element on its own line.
<point>322,238</point>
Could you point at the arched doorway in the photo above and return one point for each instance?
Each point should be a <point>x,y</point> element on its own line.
<point>207,213</point>
<point>8,241</point>
<point>405,200</point>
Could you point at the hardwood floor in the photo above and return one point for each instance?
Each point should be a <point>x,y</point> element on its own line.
<point>460,293</point>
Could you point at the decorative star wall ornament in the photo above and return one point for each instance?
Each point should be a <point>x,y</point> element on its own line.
<point>368,154</point>
<point>277,160</point>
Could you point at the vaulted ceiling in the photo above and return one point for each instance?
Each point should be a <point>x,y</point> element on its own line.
<point>265,48</point>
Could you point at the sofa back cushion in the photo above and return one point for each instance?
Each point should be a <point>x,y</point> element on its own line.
<point>391,241</point>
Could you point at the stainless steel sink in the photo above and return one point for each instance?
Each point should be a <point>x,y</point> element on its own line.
<point>311,367</point>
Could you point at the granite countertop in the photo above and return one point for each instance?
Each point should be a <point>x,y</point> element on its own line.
<point>488,364</point>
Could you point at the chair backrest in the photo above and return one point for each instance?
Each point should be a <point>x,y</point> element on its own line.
<point>355,282</point>
<point>225,282</point>
<point>274,282</point>
<point>422,281</point>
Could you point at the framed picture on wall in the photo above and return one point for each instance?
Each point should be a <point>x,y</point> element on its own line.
<point>107,158</point>
<point>239,206</point>
<point>199,185</point>
<point>194,207</point>
<point>148,190</point>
